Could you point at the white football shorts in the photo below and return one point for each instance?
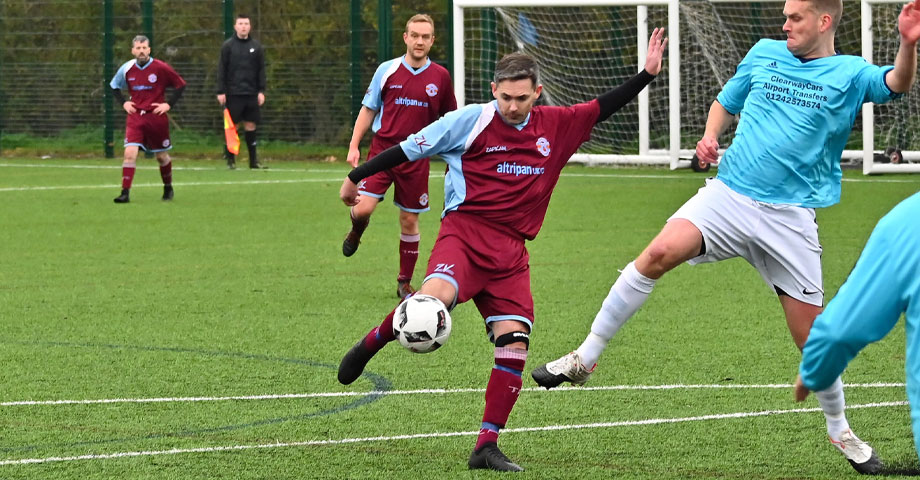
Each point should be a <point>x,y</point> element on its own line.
<point>779,240</point>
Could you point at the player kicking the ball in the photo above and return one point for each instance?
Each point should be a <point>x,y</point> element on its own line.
<point>505,158</point>
<point>772,177</point>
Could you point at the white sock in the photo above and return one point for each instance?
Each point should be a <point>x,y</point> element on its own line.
<point>626,295</point>
<point>833,404</point>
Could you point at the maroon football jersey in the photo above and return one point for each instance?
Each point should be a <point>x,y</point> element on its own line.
<point>407,100</point>
<point>147,84</point>
<point>504,173</point>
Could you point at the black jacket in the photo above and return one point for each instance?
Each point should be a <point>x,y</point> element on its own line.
<point>241,68</point>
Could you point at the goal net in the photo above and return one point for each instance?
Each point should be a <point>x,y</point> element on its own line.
<point>884,138</point>
<point>583,51</point>
<point>891,133</point>
<point>586,47</point>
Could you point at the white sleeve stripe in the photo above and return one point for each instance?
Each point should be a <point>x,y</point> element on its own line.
<point>485,118</point>
<point>373,99</point>
<point>394,65</point>
<point>119,80</point>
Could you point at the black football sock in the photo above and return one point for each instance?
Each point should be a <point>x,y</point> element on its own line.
<point>251,145</point>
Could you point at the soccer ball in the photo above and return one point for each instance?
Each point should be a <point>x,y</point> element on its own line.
<point>421,323</point>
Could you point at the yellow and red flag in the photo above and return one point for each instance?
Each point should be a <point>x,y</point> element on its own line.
<point>233,138</point>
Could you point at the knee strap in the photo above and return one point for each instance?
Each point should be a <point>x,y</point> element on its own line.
<point>513,337</point>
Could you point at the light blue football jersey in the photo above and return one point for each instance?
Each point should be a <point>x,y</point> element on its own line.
<point>884,284</point>
<point>795,119</point>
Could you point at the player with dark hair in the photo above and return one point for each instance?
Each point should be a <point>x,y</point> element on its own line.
<point>241,84</point>
<point>504,160</point>
<point>406,94</point>
<point>798,99</point>
<point>147,125</point>
<point>883,285</point>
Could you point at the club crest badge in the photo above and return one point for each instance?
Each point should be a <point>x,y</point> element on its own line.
<point>543,146</point>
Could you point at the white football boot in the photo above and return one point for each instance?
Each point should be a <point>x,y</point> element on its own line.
<point>569,368</point>
<point>860,455</point>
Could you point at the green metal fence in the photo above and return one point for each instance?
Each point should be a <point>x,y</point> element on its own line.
<point>57,58</point>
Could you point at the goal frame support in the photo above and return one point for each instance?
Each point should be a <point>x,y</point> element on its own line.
<point>671,156</point>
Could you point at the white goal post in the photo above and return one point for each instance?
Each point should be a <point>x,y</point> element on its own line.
<point>708,38</point>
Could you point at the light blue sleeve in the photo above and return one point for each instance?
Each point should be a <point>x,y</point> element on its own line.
<point>736,90</point>
<point>373,97</point>
<point>865,309</point>
<point>119,81</point>
<point>446,136</point>
<point>872,79</point>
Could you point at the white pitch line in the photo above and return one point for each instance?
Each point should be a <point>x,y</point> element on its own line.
<point>101,167</point>
<point>310,443</point>
<point>699,179</point>
<point>330,170</point>
<point>175,167</point>
<point>433,174</point>
<point>337,179</point>
<point>324,170</point>
<point>435,391</point>
<point>178,184</point>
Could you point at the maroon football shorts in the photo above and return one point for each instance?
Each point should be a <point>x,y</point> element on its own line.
<point>148,130</point>
<point>410,180</point>
<point>487,263</point>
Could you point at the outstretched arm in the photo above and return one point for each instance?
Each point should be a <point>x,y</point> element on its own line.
<point>865,309</point>
<point>615,99</point>
<point>656,45</point>
<point>901,78</point>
